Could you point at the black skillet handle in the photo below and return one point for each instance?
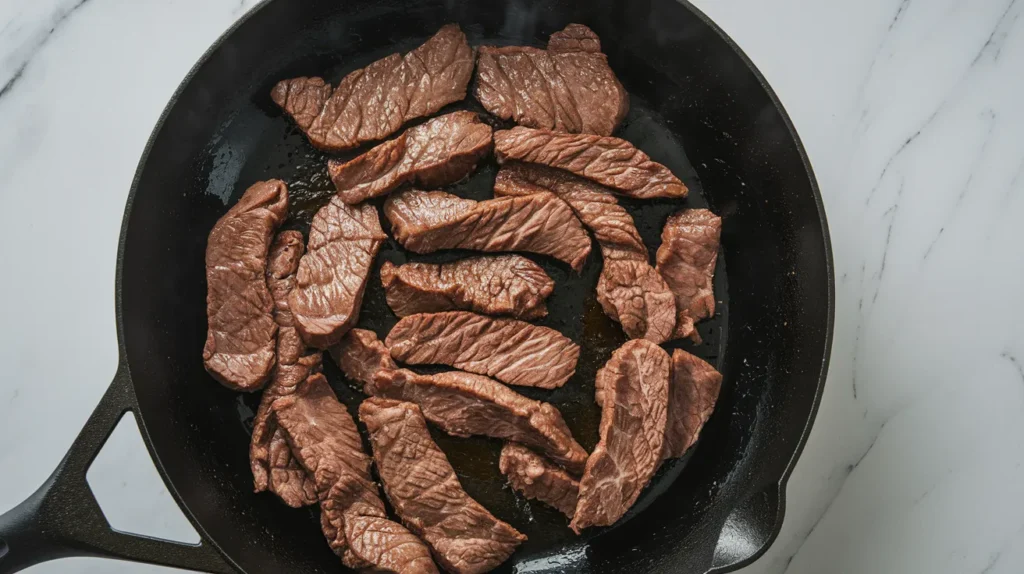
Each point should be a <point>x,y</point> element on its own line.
<point>63,519</point>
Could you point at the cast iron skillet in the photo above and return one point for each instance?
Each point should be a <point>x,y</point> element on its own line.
<point>698,105</point>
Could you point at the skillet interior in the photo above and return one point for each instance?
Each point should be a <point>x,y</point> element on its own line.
<point>691,96</point>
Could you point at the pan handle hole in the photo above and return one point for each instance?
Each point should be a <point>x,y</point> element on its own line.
<point>4,548</point>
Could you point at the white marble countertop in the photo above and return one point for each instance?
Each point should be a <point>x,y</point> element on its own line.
<point>913,115</point>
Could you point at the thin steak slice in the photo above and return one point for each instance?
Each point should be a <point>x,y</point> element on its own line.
<point>273,466</point>
<point>629,289</point>
<point>242,337</point>
<point>325,440</point>
<point>428,221</point>
<point>343,240</point>
<point>607,160</point>
<point>633,389</point>
<point>426,494</point>
<point>373,102</point>
<point>440,151</point>
<point>495,285</point>
<point>361,355</point>
<point>568,88</point>
<point>535,477</point>
<point>512,351</point>
<point>686,259</point>
<point>693,392</point>
<point>464,404</point>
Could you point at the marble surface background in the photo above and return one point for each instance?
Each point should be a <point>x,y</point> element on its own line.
<point>912,114</point>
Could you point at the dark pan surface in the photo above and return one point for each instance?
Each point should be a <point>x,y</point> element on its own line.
<point>692,96</point>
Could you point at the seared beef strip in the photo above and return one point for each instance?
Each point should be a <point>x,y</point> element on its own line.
<point>325,440</point>
<point>629,290</point>
<point>633,389</point>
<point>535,477</point>
<point>426,493</point>
<point>273,466</point>
<point>373,102</point>
<point>607,160</point>
<point>440,151</point>
<point>568,88</point>
<point>686,259</point>
<point>693,392</point>
<point>464,404</point>
<point>495,285</point>
<point>343,240</point>
<point>242,337</point>
<point>512,351</point>
<point>361,355</point>
<point>428,221</point>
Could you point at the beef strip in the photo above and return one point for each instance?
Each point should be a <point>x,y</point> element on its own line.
<point>440,151</point>
<point>686,259</point>
<point>361,355</point>
<point>427,221</point>
<point>633,389</point>
<point>464,404</point>
<point>607,160</point>
<point>568,88</point>
<point>512,351</point>
<point>242,338</point>
<point>273,466</point>
<point>535,477</point>
<point>498,285</point>
<point>325,440</point>
<point>343,240</point>
<point>693,392</point>
<point>426,493</point>
<point>373,102</point>
<point>629,289</point>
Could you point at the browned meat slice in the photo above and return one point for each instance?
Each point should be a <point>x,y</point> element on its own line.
<point>499,285</point>
<point>633,393</point>
<point>427,221</point>
<point>426,494</point>
<point>635,295</point>
<point>464,404</point>
<point>610,161</point>
<point>693,392</point>
<point>686,259</point>
<point>343,240</point>
<point>273,466</point>
<point>569,87</point>
<point>242,337</point>
<point>361,355</point>
<point>512,351</point>
<point>373,102</point>
<point>440,151</point>
<point>532,475</point>
<point>325,440</point>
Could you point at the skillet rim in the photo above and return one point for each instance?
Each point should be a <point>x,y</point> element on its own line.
<point>780,484</point>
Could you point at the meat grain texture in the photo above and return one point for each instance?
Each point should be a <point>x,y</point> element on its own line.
<point>325,440</point>
<point>536,478</point>
<point>633,391</point>
<point>241,341</point>
<point>693,391</point>
<point>609,161</point>
<point>273,466</point>
<point>629,290</point>
<point>495,285</point>
<point>512,351</point>
<point>361,355</point>
<point>428,221</point>
<point>332,275</point>
<point>438,152</point>
<point>686,259</point>
<point>426,493</point>
<point>373,102</point>
<point>464,404</point>
<point>568,88</point>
